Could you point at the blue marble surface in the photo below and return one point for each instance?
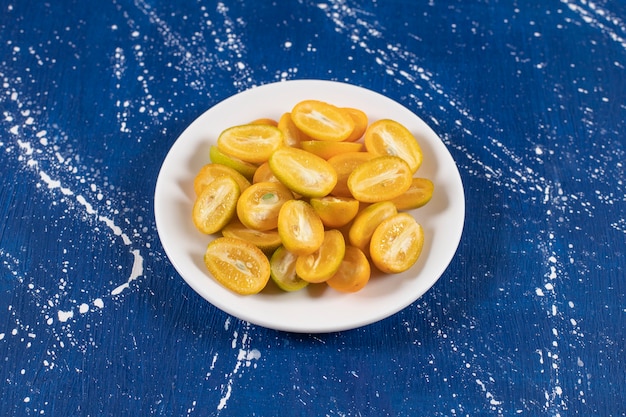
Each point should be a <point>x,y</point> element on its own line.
<point>529,318</point>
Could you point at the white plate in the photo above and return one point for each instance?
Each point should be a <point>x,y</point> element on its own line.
<point>319,308</point>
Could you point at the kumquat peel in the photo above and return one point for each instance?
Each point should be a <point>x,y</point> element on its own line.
<point>317,196</point>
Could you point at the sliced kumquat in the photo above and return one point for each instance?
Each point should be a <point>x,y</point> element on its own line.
<point>326,150</point>
<point>209,172</point>
<point>216,205</point>
<point>268,241</point>
<point>300,228</point>
<point>238,265</point>
<point>263,174</point>
<point>388,137</point>
<point>283,270</point>
<point>360,123</point>
<point>252,143</point>
<point>396,243</point>
<point>322,264</point>
<point>292,135</point>
<point>315,196</point>
<point>335,211</point>
<point>304,173</point>
<point>244,168</point>
<point>419,194</point>
<point>367,221</point>
<point>344,164</point>
<point>259,205</point>
<point>264,121</point>
<point>381,178</point>
<point>353,273</point>
<point>322,121</point>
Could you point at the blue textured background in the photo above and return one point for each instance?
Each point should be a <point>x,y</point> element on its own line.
<point>529,97</point>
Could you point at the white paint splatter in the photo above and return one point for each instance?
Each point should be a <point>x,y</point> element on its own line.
<point>245,358</point>
<point>137,271</point>
<point>65,315</point>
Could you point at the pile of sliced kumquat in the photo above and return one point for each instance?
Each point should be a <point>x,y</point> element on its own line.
<point>315,197</point>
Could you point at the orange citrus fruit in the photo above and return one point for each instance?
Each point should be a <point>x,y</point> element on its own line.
<point>301,171</point>
<point>263,173</point>
<point>244,168</point>
<point>300,228</point>
<point>353,272</point>
<point>344,164</point>
<point>335,211</point>
<point>283,270</point>
<point>268,241</point>
<point>252,143</point>
<point>388,137</point>
<point>259,205</point>
<point>238,265</point>
<point>323,263</point>
<point>216,205</point>
<point>211,171</point>
<point>396,243</point>
<point>381,178</point>
<point>360,123</point>
<point>366,222</point>
<point>419,194</point>
<point>322,121</point>
<point>264,121</point>
<point>292,135</point>
<point>326,150</point>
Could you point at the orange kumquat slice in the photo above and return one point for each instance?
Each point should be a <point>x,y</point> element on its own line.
<point>252,143</point>
<point>209,172</point>
<point>388,137</point>
<point>379,179</point>
<point>238,265</point>
<point>300,228</point>
<point>259,205</point>
<point>322,264</point>
<point>396,243</point>
<point>216,205</point>
<point>322,121</point>
<point>304,173</point>
<point>353,272</point>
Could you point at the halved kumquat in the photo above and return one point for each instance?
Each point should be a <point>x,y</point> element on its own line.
<point>360,123</point>
<point>353,272</point>
<point>397,243</point>
<point>335,211</point>
<point>300,228</point>
<point>244,168</point>
<point>322,121</point>
<point>419,194</point>
<point>322,264</point>
<point>209,172</point>
<point>252,143</point>
<point>292,135</point>
<point>238,265</point>
<point>304,173</point>
<point>263,173</point>
<point>388,137</point>
<point>344,164</point>
<point>216,205</point>
<point>326,150</point>
<point>367,221</point>
<point>268,241</point>
<point>264,121</point>
<point>259,205</point>
<point>381,178</point>
<point>283,270</point>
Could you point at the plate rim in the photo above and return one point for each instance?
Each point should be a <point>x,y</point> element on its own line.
<point>317,85</point>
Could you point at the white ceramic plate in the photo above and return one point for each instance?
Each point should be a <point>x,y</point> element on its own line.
<point>317,309</point>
